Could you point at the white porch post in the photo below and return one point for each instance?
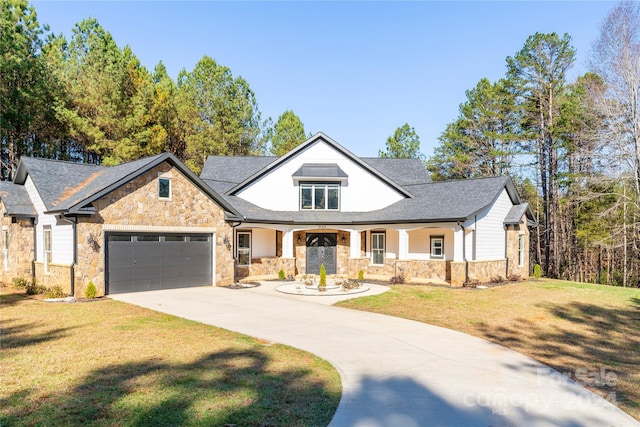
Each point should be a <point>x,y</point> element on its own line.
<point>403,244</point>
<point>287,244</point>
<point>354,238</point>
<point>458,244</point>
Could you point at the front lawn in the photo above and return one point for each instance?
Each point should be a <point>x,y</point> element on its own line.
<point>106,363</point>
<point>588,332</point>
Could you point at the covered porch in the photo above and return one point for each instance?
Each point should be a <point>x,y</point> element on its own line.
<point>441,253</point>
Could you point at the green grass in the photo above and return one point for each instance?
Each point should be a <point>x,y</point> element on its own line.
<point>576,328</point>
<point>106,363</point>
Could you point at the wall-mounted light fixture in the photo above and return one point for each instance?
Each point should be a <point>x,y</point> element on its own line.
<point>344,239</point>
<point>299,239</point>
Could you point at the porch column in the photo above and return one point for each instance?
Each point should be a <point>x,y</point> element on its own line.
<point>458,244</point>
<point>287,244</point>
<point>354,239</point>
<point>403,244</point>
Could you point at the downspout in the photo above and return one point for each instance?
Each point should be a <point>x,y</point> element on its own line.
<point>72,270</point>
<point>464,253</point>
<point>233,249</point>
<point>35,250</point>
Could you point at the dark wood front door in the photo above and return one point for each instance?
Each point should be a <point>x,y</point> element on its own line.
<point>321,249</point>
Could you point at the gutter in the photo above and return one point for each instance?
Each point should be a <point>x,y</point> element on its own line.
<point>233,248</point>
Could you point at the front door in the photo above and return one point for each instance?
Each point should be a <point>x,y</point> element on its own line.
<point>321,249</point>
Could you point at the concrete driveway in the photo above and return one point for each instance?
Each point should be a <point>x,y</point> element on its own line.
<point>397,372</point>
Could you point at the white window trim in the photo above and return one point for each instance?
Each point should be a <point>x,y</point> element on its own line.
<point>383,249</point>
<point>238,249</point>
<point>5,247</point>
<point>521,250</point>
<point>326,186</point>
<point>433,239</point>
<point>46,261</point>
<point>166,176</point>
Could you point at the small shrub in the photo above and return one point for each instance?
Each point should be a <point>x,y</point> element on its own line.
<point>361,275</point>
<point>19,283</point>
<point>323,278</point>
<point>514,277</point>
<point>471,283</point>
<point>55,292</point>
<point>308,280</point>
<point>497,279</point>
<point>348,285</point>
<point>537,271</point>
<point>35,289</point>
<point>91,291</point>
<point>397,280</point>
<point>281,275</point>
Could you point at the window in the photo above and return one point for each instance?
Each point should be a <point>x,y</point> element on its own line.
<point>148,238</point>
<point>377,248</point>
<point>437,246</point>
<point>320,196</point>
<point>5,247</point>
<point>244,248</point>
<point>520,250</point>
<point>164,188</point>
<point>47,248</point>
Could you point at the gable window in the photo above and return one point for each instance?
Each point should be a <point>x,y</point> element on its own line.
<point>377,248</point>
<point>5,247</point>
<point>244,248</point>
<point>47,248</point>
<point>437,246</point>
<point>520,250</point>
<point>319,196</point>
<point>164,188</point>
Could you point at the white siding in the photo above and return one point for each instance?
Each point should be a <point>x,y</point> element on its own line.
<point>263,242</point>
<point>61,231</point>
<point>490,232</point>
<point>420,243</point>
<point>362,192</point>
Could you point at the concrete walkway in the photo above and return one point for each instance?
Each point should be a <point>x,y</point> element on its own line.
<point>397,372</point>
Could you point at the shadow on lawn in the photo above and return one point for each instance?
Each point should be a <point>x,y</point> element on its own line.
<point>589,340</point>
<point>153,393</point>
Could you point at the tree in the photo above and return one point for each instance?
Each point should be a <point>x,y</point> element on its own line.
<point>221,113</point>
<point>109,95</point>
<point>615,56</point>
<point>403,144</point>
<point>287,133</point>
<point>483,139</point>
<point>27,89</point>
<point>538,72</point>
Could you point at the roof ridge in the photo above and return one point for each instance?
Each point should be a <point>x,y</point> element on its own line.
<point>67,162</point>
<point>470,179</point>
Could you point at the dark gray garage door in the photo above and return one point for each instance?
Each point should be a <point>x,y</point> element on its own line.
<point>147,261</point>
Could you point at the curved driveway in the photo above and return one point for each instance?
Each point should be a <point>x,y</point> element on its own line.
<point>397,372</point>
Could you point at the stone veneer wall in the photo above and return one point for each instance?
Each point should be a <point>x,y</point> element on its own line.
<point>481,271</point>
<point>20,249</point>
<point>267,266</point>
<point>410,269</point>
<point>58,275</point>
<point>513,231</point>
<point>137,204</point>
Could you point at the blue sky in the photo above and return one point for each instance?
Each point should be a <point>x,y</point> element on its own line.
<point>354,70</point>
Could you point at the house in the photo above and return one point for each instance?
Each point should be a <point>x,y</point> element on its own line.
<point>321,204</point>
<point>147,224</point>
<point>153,224</point>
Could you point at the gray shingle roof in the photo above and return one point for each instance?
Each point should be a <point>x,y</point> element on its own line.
<point>16,200</point>
<point>433,202</point>
<point>515,214</point>
<point>62,185</point>
<point>225,172</point>
<point>67,186</point>
<point>403,171</point>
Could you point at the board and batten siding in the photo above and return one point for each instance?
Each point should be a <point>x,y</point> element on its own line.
<point>362,192</point>
<point>490,232</point>
<point>61,231</point>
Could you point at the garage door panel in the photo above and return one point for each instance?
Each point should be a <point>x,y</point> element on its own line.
<point>149,262</point>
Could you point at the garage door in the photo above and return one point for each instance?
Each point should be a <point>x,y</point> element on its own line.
<point>147,261</point>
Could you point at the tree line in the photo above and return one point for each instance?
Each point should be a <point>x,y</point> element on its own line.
<point>572,147</point>
<point>87,99</point>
